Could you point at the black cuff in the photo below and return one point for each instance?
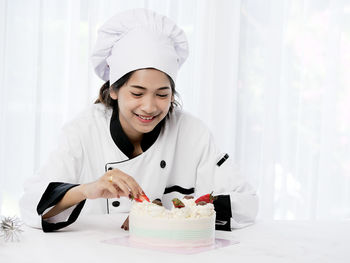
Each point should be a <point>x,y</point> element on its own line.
<point>223,211</point>
<point>52,195</point>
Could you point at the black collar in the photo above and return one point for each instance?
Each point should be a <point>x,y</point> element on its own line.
<point>121,139</point>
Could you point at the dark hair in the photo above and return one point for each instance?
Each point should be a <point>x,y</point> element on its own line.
<point>105,98</point>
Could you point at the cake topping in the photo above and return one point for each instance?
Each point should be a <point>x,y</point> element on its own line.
<point>188,197</point>
<point>208,198</point>
<point>141,198</point>
<point>184,208</point>
<point>177,203</point>
<point>157,202</point>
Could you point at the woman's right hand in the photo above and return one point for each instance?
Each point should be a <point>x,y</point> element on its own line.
<point>113,184</point>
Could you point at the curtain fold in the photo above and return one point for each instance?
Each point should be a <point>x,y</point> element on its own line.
<point>269,78</point>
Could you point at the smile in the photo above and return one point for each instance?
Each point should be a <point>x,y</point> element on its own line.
<point>145,119</point>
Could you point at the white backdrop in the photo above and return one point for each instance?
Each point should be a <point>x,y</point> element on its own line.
<point>270,78</point>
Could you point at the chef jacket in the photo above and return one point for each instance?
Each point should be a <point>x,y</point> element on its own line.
<point>179,158</point>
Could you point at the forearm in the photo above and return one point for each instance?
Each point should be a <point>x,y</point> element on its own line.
<point>73,196</point>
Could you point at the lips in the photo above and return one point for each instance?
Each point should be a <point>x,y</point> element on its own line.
<point>145,119</point>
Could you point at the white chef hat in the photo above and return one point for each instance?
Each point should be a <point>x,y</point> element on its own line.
<point>136,39</point>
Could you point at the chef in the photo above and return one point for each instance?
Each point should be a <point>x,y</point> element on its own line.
<point>135,139</point>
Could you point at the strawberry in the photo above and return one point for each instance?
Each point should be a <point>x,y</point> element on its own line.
<point>141,198</point>
<point>208,198</point>
<point>177,203</point>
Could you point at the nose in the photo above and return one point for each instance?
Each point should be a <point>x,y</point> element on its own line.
<point>149,105</point>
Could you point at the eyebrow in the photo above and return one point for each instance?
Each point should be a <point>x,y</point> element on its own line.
<point>143,88</point>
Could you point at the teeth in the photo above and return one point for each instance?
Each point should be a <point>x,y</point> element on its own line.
<point>145,118</point>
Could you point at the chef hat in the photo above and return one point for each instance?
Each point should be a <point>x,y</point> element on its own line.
<point>136,39</point>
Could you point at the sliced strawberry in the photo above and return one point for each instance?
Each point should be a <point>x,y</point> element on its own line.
<point>141,198</point>
<point>208,198</point>
<point>177,203</point>
<point>201,203</point>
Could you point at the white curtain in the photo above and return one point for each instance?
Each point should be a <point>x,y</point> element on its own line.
<point>270,78</point>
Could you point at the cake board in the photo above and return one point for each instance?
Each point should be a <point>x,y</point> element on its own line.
<point>124,241</point>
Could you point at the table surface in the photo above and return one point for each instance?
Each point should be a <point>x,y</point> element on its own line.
<point>273,241</point>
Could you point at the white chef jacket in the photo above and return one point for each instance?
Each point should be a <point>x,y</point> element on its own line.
<point>182,160</point>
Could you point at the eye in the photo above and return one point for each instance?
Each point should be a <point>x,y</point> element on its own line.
<point>162,95</point>
<point>136,94</point>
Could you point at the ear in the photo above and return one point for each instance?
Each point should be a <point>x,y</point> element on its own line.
<point>113,94</point>
<point>172,98</point>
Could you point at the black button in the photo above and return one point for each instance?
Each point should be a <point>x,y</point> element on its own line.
<point>116,203</point>
<point>162,164</point>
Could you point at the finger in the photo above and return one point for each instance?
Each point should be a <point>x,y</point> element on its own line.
<point>134,187</point>
<point>116,176</point>
<point>120,178</point>
<point>112,190</point>
<point>123,187</point>
<point>109,177</point>
<point>118,191</point>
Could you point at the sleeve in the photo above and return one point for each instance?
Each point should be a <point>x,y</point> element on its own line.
<point>236,205</point>
<point>52,195</point>
<point>63,165</point>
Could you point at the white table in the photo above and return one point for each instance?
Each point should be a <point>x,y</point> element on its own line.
<point>275,241</point>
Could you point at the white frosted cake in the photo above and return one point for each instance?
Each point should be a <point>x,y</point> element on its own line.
<point>189,226</point>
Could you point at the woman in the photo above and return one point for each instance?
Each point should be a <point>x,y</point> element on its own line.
<point>133,140</point>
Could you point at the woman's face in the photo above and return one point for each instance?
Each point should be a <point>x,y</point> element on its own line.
<point>144,100</point>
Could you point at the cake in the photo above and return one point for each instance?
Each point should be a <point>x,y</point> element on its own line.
<point>190,223</point>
